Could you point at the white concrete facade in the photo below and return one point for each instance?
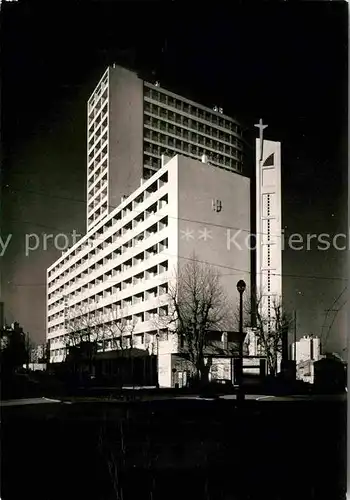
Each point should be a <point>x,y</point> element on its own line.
<point>268,225</point>
<point>307,348</point>
<point>306,351</point>
<point>122,267</point>
<point>118,269</point>
<point>97,152</point>
<point>212,222</point>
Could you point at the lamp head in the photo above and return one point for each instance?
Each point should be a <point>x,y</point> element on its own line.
<point>241,286</point>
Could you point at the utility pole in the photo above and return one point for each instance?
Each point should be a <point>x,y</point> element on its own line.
<point>241,286</point>
<point>330,319</point>
<point>295,336</point>
<point>294,351</point>
<point>65,302</point>
<point>28,349</point>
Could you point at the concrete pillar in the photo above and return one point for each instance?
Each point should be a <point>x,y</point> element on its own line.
<point>164,370</point>
<point>262,364</point>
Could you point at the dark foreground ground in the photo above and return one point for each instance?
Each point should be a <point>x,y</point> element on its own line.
<point>174,449</point>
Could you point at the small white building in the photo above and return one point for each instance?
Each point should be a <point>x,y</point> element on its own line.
<point>305,352</point>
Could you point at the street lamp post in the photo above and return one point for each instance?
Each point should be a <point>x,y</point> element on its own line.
<point>241,286</point>
<point>157,338</point>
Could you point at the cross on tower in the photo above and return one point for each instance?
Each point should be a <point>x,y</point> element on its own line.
<point>261,126</point>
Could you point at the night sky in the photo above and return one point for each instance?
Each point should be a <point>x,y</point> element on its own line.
<point>285,63</point>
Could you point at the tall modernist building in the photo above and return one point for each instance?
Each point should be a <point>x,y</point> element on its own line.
<point>121,269</point>
<point>131,123</point>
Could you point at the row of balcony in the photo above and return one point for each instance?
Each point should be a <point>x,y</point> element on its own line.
<point>155,134</point>
<point>100,87</point>
<point>110,322</point>
<point>85,282</point>
<point>97,154</point>
<point>150,337</point>
<point>98,182</point>
<point>154,160</point>
<point>97,194</point>
<point>99,214</point>
<point>98,115</point>
<point>87,265</point>
<point>109,252</point>
<point>144,340</point>
<point>187,109</point>
<point>98,170</point>
<point>181,126</point>
<point>98,206</point>
<point>150,231</point>
<point>120,307</point>
<point>116,272</point>
<point>98,129</point>
<point>133,205</point>
<point>84,294</point>
<point>156,148</point>
<point>95,143</point>
<point>109,319</point>
<point>98,100</point>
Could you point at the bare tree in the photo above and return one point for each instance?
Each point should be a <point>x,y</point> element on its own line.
<point>119,330</point>
<point>29,348</point>
<point>83,331</point>
<point>270,332</point>
<point>197,305</point>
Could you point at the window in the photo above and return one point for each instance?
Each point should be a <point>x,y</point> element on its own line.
<point>138,258</point>
<point>163,202</point>
<point>138,278</point>
<point>152,230</point>
<point>163,289</point>
<point>127,264</point>
<point>152,188</point>
<point>151,251</point>
<point>151,314</point>
<point>163,245</point>
<point>162,180</point>
<point>151,293</point>
<point>139,239</point>
<point>127,227</point>
<point>163,223</point>
<point>163,267</point>
<point>151,272</point>
<point>138,298</point>
<point>163,311</point>
<point>269,160</point>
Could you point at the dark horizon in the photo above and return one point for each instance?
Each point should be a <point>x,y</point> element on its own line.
<point>285,63</point>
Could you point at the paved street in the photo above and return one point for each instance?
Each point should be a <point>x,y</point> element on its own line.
<point>157,397</point>
<point>313,397</point>
<point>260,397</point>
<point>28,401</point>
<point>217,451</point>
